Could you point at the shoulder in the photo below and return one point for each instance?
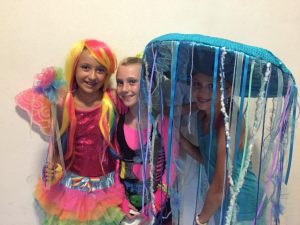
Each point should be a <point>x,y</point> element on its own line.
<point>163,125</point>
<point>221,134</point>
<point>163,121</point>
<point>201,115</point>
<point>112,94</point>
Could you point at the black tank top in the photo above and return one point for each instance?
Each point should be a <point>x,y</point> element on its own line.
<point>130,156</point>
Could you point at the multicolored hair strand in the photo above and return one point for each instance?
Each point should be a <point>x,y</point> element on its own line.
<point>104,55</point>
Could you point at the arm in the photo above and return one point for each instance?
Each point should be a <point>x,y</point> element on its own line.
<point>214,195</point>
<point>118,104</point>
<point>160,196</point>
<point>183,109</point>
<point>191,149</point>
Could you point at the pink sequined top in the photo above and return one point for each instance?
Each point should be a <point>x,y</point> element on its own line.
<point>91,157</point>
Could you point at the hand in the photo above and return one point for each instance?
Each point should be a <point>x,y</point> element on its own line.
<point>145,219</point>
<point>147,213</point>
<point>49,172</point>
<point>133,212</point>
<point>198,221</point>
<point>52,173</point>
<point>144,222</point>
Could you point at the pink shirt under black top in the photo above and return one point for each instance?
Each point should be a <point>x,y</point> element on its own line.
<point>128,140</point>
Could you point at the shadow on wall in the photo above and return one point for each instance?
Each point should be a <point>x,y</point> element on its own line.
<point>33,127</point>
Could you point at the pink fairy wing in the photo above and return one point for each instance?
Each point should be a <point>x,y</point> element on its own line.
<point>37,107</point>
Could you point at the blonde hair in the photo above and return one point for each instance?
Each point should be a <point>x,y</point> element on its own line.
<point>130,60</point>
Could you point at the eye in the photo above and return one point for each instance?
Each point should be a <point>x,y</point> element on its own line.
<point>210,86</point>
<point>132,81</point>
<point>197,84</point>
<point>85,67</point>
<point>101,70</point>
<point>119,82</point>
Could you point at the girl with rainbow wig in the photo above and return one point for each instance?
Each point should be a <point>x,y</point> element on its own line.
<point>81,186</point>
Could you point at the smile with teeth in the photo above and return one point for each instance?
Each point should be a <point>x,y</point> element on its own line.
<point>203,100</point>
<point>127,97</point>
<point>91,84</point>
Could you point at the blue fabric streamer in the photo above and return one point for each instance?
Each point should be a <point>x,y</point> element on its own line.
<point>173,88</point>
<point>212,108</point>
<point>240,118</point>
<point>145,157</point>
<point>261,146</point>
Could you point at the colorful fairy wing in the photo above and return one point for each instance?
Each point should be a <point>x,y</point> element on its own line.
<point>48,88</point>
<point>37,107</point>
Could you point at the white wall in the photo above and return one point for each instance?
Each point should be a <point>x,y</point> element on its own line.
<point>36,34</point>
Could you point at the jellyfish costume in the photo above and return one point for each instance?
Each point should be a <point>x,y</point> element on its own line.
<point>258,114</point>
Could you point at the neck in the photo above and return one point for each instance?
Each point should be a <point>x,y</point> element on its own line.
<point>131,117</point>
<point>133,110</point>
<point>206,117</point>
<point>88,100</point>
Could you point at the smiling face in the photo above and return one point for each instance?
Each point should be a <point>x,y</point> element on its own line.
<point>203,91</point>
<point>128,84</point>
<point>90,74</point>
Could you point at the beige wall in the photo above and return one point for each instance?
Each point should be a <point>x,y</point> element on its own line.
<point>36,34</point>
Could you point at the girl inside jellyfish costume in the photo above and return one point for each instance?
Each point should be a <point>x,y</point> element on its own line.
<point>213,157</point>
<point>143,173</point>
<point>246,109</point>
<point>78,183</point>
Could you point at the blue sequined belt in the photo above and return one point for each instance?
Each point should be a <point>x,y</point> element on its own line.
<point>87,184</point>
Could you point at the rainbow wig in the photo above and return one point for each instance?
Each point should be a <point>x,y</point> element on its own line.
<point>104,55</point>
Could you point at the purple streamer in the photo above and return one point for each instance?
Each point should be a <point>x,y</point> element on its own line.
<point>148,128</point>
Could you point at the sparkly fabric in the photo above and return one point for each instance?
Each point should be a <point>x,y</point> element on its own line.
<point>89,146</point>
<point>90,192</point>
